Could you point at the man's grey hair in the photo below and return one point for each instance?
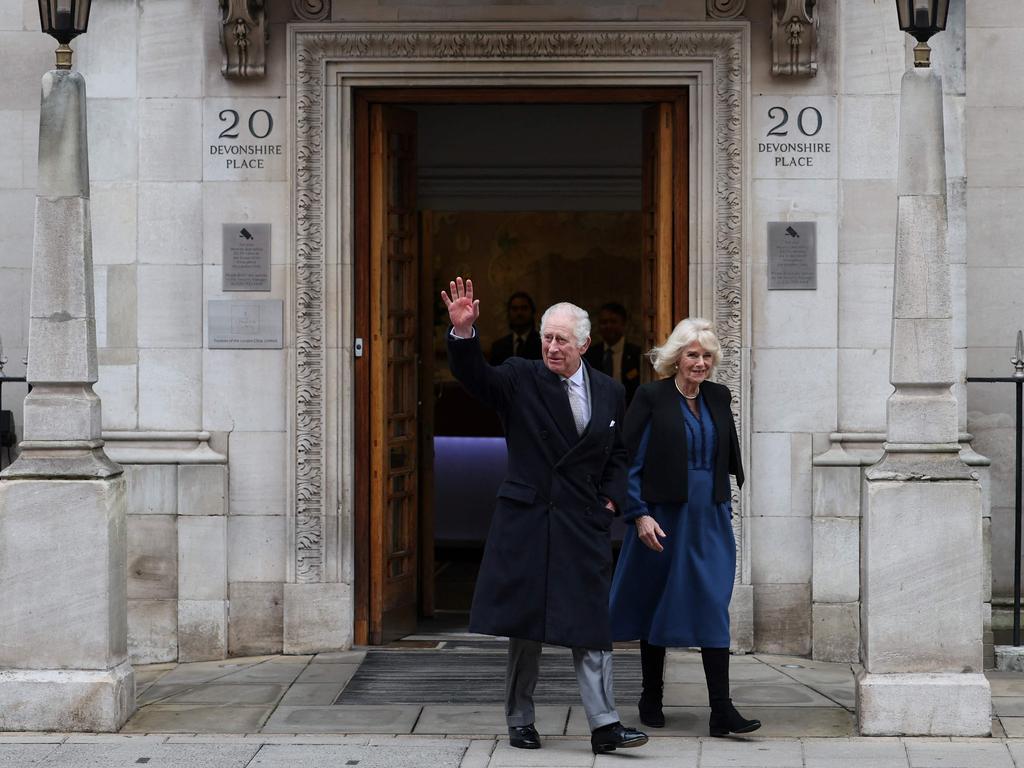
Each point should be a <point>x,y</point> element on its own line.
<point>579,316</point>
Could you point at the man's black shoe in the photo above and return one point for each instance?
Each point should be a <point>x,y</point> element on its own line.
<point>614,736</point>
<point>523,737</point>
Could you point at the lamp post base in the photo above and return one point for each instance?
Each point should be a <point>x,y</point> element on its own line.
<point>66,699</point>
<point>924,704</point>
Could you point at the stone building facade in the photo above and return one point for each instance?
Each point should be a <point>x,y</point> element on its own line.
<point>243,465</point>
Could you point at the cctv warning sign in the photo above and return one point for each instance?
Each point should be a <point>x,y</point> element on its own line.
<point>246,265</point>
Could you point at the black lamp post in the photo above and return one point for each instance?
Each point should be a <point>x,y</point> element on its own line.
<point>922,19</point>
<point>65,20</point>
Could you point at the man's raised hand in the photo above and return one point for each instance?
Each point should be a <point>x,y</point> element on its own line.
<point>463,310</point>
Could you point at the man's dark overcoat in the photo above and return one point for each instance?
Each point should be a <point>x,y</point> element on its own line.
<point>547,564</point>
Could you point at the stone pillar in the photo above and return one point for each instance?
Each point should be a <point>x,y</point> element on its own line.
<point>922,560</point>
<point>63,627</point>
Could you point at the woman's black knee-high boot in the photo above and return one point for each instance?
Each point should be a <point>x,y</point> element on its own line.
<point>652,665</point>
<point>724,717</point>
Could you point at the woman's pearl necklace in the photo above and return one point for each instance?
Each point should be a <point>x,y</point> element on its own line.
<point>680,389</point>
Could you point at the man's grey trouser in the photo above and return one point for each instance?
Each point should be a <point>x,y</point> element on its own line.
<point>593,675</point>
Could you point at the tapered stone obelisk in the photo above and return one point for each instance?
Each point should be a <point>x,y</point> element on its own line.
<point>922,564</point>
<point>63,580</point>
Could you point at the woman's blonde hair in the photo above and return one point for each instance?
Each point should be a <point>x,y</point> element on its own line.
<point>665,358</point>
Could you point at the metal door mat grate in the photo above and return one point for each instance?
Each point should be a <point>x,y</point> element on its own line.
<point>474,677</point>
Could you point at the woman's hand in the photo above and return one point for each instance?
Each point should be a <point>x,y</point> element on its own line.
<point>648,531</point>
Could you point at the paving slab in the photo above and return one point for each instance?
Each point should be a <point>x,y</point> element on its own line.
<point>395,718</point>
<point>159,692</point>
<point>311,694</point>
<point>328,673</point>
<point>679,721</point>
<point>115,738</point>
<point>195,718</point>
<point>843,695</point>
<point>268,738</point>
<point>396,755</point>
<point>750,753</point>
<point>750,673</point>
<point>1007,686</point>
<point>1016,750</point>
<point>838,674</point>
<point>1013,727</point>
<point>16,755</point>
<point>230,694</point>
<point>474,719</point>
<point>773,695</point>
<point>855,753</point>
<point>478,754</point>
<point>1008,706</point>
<point>556,753</point>
<point>958,754</point>
<point>133,755</point>
<point>266,672</point>
<point>205,671</point>
<point>756,673</point>
<point>678,695</point>
<point>657,753</point>
<point>798,722</point>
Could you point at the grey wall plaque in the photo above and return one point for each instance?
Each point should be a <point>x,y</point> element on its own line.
<point>246,262</point>
<point>245,324</point>
<point>792,256</point>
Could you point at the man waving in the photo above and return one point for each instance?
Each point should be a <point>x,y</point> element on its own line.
<point>546,568</point>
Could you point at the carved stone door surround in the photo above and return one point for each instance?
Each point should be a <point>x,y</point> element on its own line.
<point>326,62</point>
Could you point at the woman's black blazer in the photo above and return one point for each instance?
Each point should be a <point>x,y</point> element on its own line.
<point>664,470</point>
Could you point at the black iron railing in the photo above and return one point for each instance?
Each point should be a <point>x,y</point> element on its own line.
<point>1018,380</point>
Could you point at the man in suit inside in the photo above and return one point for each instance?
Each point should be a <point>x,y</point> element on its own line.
<point>524,341</point>
<point>546,570</point>
<point>613,355</point>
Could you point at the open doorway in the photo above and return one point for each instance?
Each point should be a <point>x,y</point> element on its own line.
<point>538,196</point>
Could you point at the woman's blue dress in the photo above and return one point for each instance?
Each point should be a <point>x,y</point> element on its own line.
<point>678,597</point>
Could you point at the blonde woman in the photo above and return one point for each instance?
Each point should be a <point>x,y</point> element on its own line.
<point>674,578</point>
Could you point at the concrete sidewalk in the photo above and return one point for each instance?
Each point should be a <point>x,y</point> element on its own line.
<point>366,751</point>
<point>272,711</point>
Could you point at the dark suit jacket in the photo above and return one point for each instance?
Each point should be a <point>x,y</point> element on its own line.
<point>547,565</point>
<point>501,350</point>
<point>629,370</point>
<point>658,404</point>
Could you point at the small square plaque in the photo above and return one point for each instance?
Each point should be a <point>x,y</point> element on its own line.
<point>246,262</point>
<point>245,324</point>
<point>792,256</point>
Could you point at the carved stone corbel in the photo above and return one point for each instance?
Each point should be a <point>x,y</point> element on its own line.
<point>725,9</point>
<point>243,39</point>
<point>794,38</point>
<point>312,10</point>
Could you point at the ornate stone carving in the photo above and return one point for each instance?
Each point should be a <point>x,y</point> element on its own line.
<point>315,47</point>
<point>726,9</point>
<point>312,10</point>
<point>243,39</point>
<point>794,38</point>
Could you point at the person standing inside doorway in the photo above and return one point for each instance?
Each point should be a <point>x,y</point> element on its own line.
<point>546,569</point>
<point>524,341</point>
<point>613,355</point>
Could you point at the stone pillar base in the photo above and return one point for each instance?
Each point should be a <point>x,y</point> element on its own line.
<point>924,704</point>
<point>741,618</point>
<point>317,617</point>
<point>1009,658</point>
<point>66,699</point>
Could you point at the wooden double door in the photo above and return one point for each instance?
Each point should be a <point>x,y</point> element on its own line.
<point>394,295</point>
